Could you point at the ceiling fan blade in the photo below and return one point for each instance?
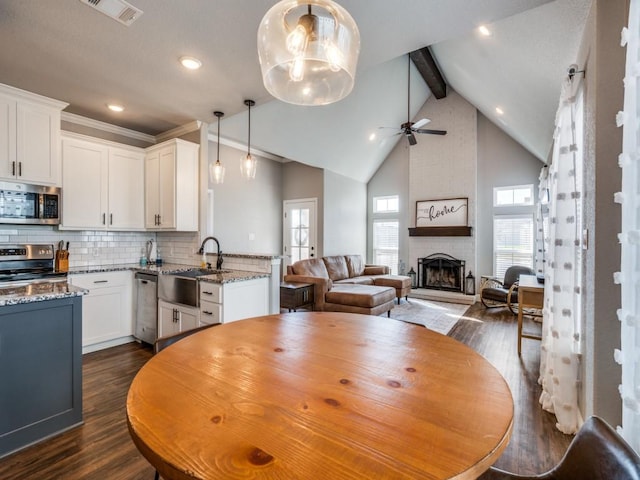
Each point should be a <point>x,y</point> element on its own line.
<point>394,128</point>
<point>420,123</point>
<point>411,138</point>
<point>432,132</point>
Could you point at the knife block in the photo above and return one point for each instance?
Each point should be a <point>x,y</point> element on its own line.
<point>62,261</point>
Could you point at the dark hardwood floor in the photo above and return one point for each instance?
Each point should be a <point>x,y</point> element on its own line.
<point>102,449</point>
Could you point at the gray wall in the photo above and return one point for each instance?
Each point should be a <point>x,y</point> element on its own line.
<point>603,59</point>
<point>501,162</point>
<point>247,207</point>
<point>345,215</point>
<point>392,178</point>
<point>302,181</point>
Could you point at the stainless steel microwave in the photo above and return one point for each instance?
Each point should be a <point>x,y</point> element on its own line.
<point>29,204</point>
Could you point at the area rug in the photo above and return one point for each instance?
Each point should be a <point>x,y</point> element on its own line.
<point>437,316</point>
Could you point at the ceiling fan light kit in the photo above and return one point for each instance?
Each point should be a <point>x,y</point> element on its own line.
<point>308,51</point>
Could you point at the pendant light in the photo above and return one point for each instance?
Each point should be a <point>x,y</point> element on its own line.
<point>248,163</point>
<point>216,171</point>
<point>308,51</point>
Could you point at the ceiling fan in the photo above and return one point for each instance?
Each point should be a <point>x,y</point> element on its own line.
<point>409,128</point>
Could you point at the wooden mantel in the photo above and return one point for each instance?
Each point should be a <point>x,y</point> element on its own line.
<point>440,231</point>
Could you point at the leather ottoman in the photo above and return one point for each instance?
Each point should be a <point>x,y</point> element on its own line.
<point>353,298</point>
<point>400,283</point>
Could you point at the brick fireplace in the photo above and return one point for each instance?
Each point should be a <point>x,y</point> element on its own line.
<point>441,272</point>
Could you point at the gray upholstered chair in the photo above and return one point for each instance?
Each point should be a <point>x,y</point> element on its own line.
<point>596,453</point>
<point>498,294</point>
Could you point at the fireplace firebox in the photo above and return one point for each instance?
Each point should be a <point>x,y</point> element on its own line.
<point>441,272</point>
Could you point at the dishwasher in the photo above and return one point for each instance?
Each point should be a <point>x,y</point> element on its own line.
<point>146,326</point>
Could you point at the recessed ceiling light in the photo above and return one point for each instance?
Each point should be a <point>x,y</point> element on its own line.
<point>484,30</point>
<point>372,137</point>
<point>499,111</point>
<point>191,63</point>
<point>115,108</point>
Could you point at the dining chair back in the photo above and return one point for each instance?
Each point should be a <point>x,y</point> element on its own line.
<point>596,453</point>
<point>162,343</point>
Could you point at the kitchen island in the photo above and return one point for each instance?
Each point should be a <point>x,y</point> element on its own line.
<point>40,362</point>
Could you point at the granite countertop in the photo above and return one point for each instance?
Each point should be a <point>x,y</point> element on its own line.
<point>38,292</point>
<point>224,276</point>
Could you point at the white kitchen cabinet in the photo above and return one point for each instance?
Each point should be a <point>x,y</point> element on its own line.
<point>174,318</point>
<point>228,302</point>
<point>102,183</point>
<point>107,310</point>
<point>171,186</point>
<point>29,137</point>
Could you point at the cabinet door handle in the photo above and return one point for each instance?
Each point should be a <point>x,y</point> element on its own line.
<point>104,218</point>
<point>207,313</point>
<point>207,293</point>
<point>111,219</point>
<point>159,220</point>
<point>13,168</point>
<point>19,169</point>
<point>101,281</point>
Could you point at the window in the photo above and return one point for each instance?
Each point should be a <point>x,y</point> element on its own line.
<point>385,243</point>
<point>512,242</point>
<point>387,204</point>
<point>519,195</point>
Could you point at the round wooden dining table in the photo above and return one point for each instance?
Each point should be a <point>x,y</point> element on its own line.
<point>313,395</point>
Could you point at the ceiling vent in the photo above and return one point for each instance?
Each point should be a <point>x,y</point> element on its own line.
<point>119,10</point>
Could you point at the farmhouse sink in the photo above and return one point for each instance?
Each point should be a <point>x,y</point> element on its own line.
<point>182,287</point>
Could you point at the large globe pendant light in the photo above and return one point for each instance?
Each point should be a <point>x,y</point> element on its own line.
<point>308,51</point>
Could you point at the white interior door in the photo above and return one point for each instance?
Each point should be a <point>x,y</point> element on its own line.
<point>300,230</point>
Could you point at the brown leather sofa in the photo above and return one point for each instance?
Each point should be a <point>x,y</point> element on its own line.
<point>343,283</point>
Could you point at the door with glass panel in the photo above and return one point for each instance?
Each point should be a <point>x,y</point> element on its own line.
<point>299,236</point>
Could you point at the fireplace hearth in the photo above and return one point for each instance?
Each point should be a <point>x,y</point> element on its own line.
<point>441,272</point>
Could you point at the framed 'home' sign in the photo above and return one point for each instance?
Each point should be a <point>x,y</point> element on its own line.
<point>446,212</point>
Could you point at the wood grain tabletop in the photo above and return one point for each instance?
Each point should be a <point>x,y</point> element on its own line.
<point>313,395</point>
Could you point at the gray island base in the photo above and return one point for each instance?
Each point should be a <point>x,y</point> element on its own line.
<point>40,370</point>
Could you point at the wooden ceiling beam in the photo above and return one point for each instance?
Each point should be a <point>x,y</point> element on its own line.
<point>426,65</point>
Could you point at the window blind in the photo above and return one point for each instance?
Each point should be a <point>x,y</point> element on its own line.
<point>512,242</point>
<point>385,243</point>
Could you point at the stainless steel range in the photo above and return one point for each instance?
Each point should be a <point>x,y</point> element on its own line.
<point>29,263</point>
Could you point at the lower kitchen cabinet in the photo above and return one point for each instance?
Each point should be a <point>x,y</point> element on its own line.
<point>174,318</point>
<point>107,318</point>
<point>224,303</point>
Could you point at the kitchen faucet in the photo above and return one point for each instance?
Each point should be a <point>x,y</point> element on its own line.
<point>201,251</point>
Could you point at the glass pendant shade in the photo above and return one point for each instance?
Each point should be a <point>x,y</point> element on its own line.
<point>248,166</point>
<point>248,162</point>
<point>216,170</point>
<point>308,51</point>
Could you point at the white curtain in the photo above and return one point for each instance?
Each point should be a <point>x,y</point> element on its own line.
<point>560,354</point>
<point>629,313</point>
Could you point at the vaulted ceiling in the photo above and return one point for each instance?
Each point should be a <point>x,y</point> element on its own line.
<point>66,50</point>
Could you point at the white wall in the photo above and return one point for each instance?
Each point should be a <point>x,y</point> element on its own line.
<point>345,215</point>
<point>245,209</point>
<point>445,167</point>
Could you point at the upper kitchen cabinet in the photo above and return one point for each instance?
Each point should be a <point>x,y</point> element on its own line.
<point>171,186</point>
<point>102,184</point>
<point>29,137</point>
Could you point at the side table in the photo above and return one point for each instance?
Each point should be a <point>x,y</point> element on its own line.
<point>294,295</point>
